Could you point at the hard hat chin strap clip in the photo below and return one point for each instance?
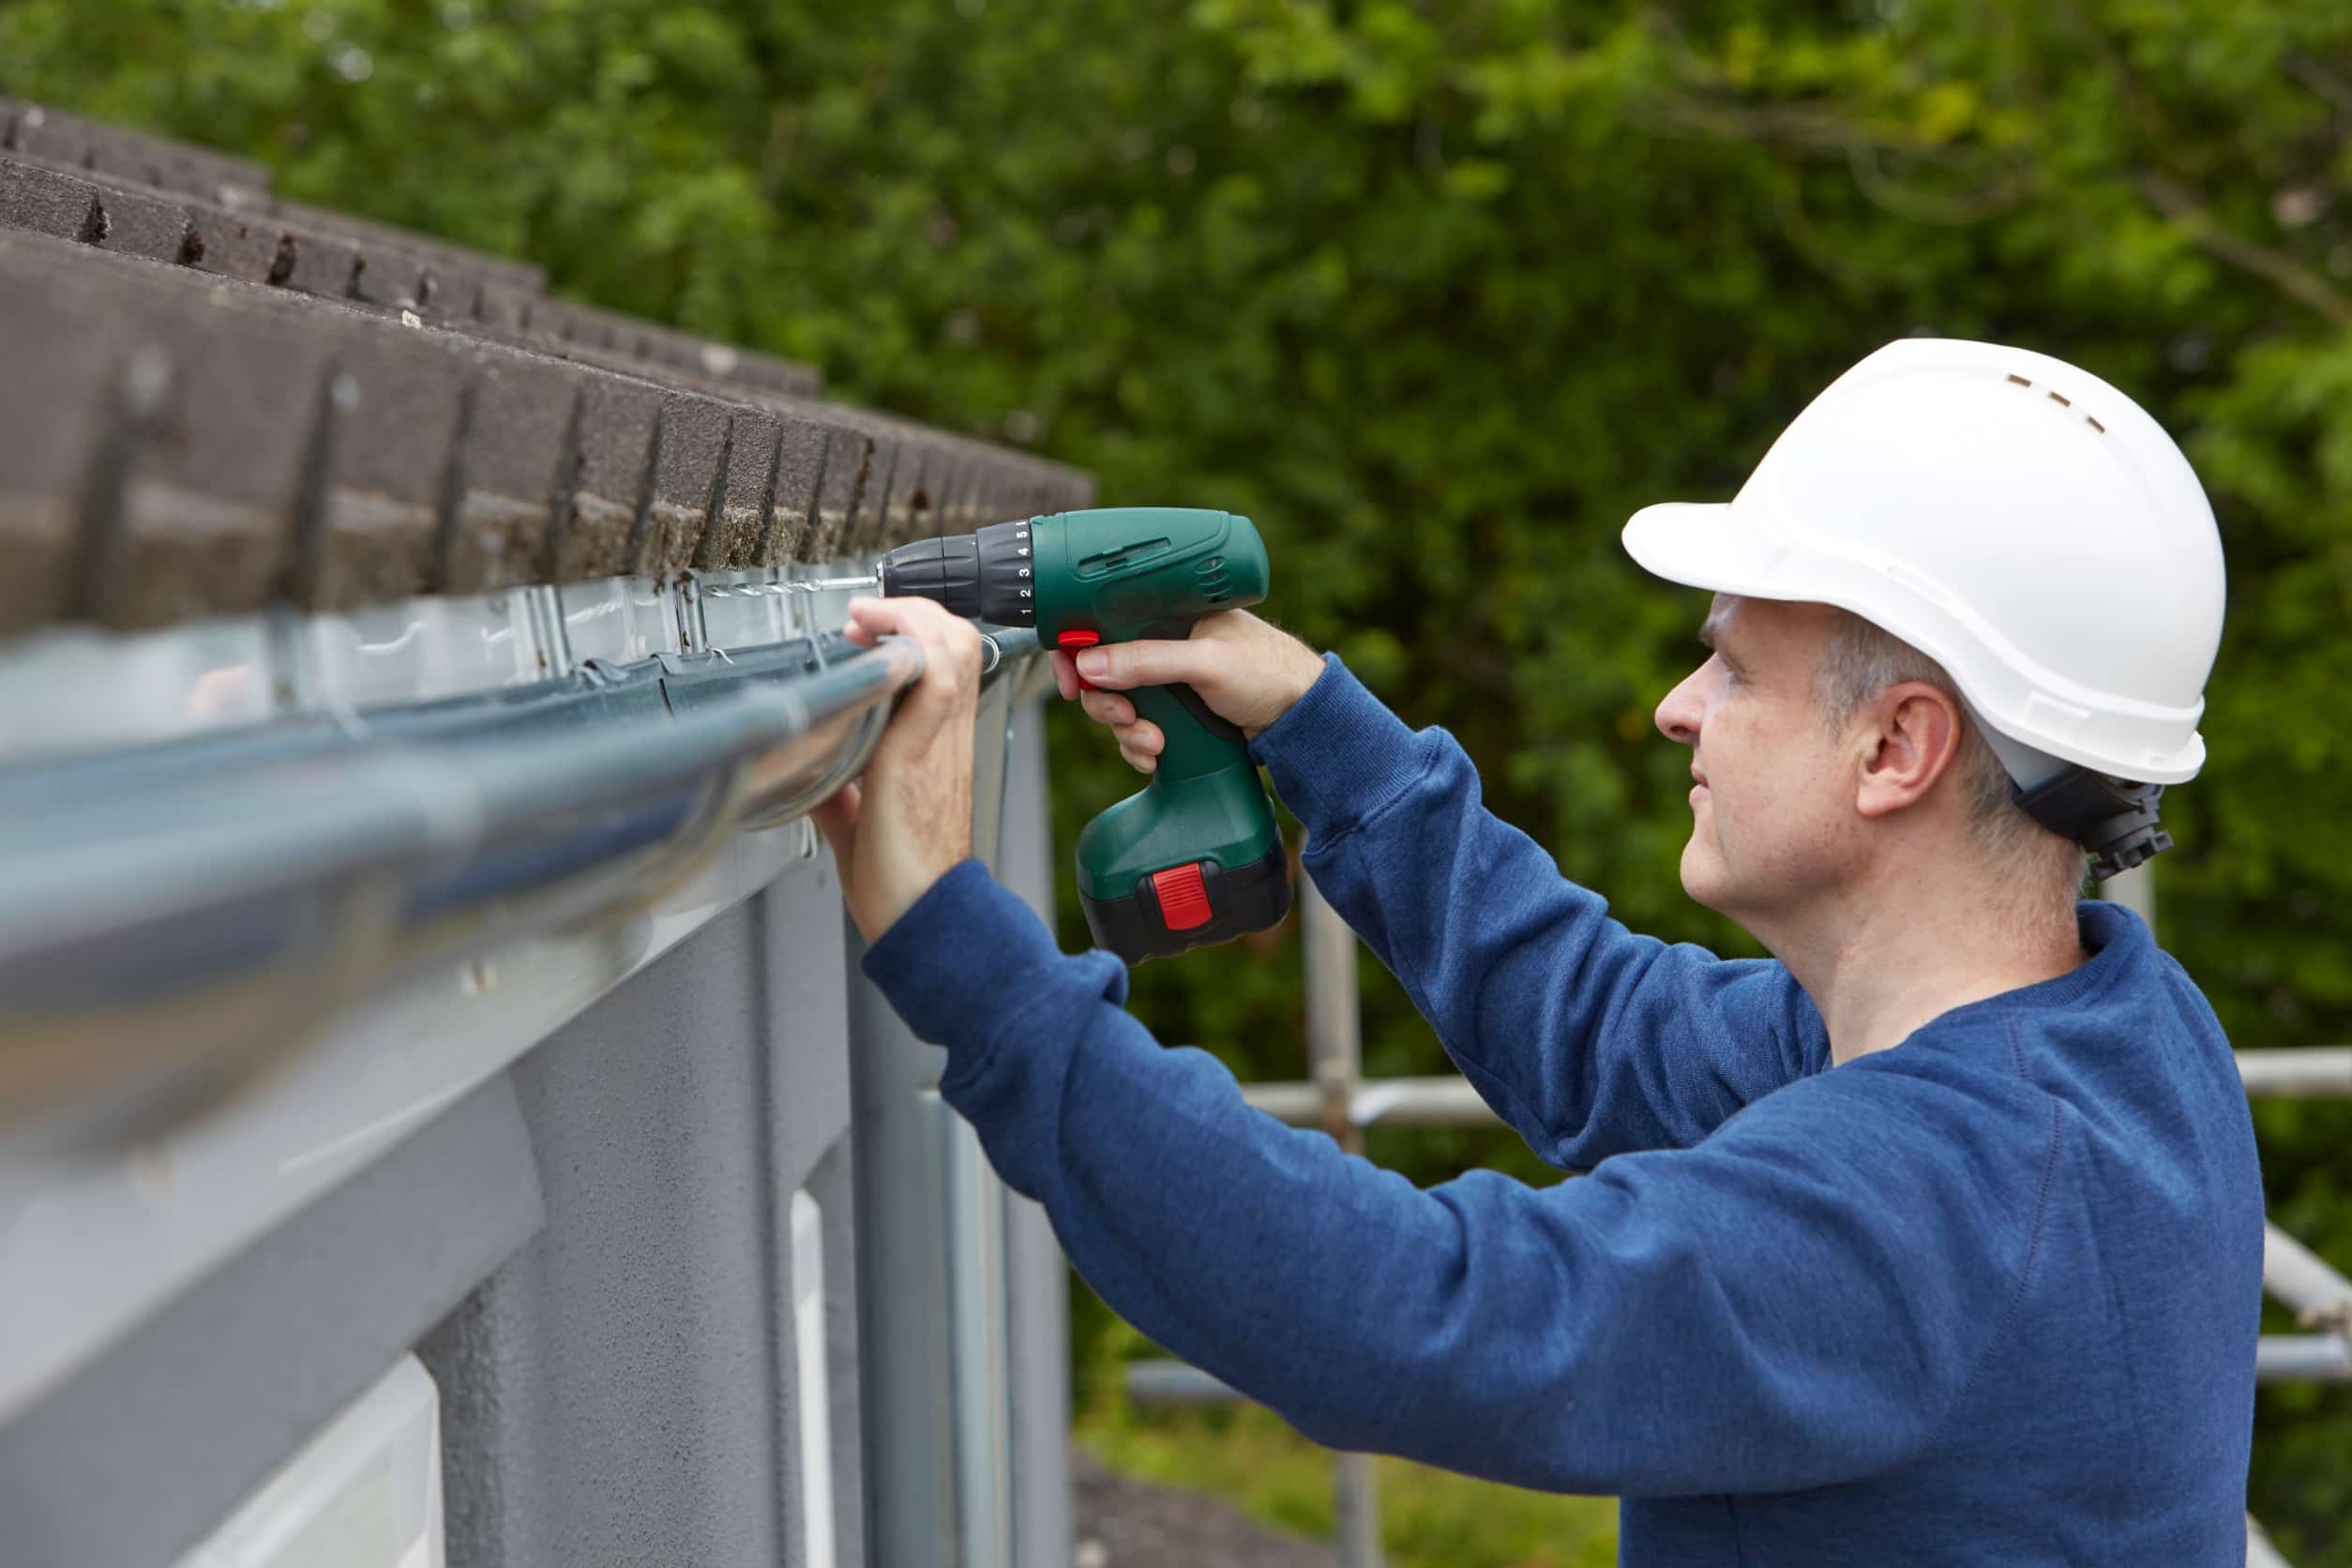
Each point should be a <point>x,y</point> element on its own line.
<point>2112,819</point>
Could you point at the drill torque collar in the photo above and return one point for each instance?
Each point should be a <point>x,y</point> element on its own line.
<point>988,576</point>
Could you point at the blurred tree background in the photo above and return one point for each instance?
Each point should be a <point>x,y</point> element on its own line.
<point>1440,293</point>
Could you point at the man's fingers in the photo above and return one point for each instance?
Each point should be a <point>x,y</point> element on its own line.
<point>951,648</point>
<point>926,622</point>
<point>1122,665</point>
<point>873,617</point>
<point>1066,675</point>
<point>1140,744</point>
<point>1105,707</point>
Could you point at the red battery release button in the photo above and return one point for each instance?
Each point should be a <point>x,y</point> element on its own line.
<point>1183,898</point>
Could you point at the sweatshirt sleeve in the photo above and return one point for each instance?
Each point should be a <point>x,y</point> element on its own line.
<point>1587,1039</point>
<point>1795,1303</point>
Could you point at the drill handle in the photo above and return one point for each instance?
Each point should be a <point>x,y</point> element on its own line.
<point>1196,739</point>
<point>1195,857</point>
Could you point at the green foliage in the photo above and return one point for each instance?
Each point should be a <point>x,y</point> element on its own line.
<point>1428,1518</point>
<point>1439,294</point>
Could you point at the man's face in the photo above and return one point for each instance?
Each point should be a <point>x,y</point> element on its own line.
<point>1772,819</point>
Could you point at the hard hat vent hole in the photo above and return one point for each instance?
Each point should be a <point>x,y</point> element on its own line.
<point>2061,400</point>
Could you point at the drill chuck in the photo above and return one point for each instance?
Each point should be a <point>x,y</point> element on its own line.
<point>988,576</point>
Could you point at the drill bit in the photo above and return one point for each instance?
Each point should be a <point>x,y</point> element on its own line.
<point>829,584</point>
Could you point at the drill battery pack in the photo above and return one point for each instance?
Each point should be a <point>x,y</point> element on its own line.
<point>1189,906</point>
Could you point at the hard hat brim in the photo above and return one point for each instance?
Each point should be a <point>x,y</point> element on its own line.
<point>1704,544</point>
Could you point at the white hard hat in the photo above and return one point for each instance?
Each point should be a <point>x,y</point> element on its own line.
<point>2017,519</point>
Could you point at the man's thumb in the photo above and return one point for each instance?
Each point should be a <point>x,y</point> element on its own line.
<point>1125,664</point>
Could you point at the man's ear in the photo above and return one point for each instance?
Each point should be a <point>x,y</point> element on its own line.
<point>1912,736</point>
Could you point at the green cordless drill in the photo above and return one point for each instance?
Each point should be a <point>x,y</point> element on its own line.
<point>1194,858</point>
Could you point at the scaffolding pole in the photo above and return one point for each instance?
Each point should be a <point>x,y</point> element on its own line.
<point>1335,1050</point>
<point>2299,1073</point>
<point>2259,1552</point>
<point>2321,1297</point>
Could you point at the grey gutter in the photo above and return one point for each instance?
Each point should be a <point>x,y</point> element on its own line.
<point>165,908</point>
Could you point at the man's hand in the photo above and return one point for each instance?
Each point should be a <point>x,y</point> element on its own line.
<point>909,820</point>
<point>1247,672</point>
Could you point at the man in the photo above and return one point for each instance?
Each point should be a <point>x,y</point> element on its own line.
<point>1936,1241</point>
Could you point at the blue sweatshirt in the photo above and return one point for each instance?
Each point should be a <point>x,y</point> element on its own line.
<point>1987,1297</point>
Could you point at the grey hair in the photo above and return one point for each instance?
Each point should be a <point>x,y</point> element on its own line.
<point>1859,660</point>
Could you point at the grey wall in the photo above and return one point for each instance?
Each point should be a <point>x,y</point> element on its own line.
<point>141,1454</point>
<point>905,1361</point>
<point>621,1391</point>
<point>1036,1273</point>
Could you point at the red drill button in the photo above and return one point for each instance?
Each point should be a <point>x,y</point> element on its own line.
<point>1073,642</point>
<point>1183,898</point>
